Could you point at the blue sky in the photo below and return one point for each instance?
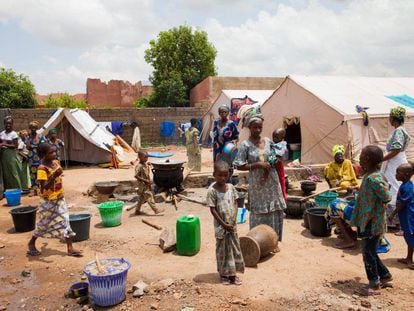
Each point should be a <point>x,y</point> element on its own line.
<point>60,43</point>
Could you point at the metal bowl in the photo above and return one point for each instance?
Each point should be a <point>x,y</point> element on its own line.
<point>106,187</point>
<point>167,165</point>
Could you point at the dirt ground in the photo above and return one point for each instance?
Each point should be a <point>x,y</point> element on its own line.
<point>308,273</point>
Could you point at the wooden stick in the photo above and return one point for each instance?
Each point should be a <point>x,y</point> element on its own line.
<point>125,144</point>
<point>151,224</point>
<point>318,193</point>
<point>174,201</point>
<point>98,264</point>
<point>181,196</point>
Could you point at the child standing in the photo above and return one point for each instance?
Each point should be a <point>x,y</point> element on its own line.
<point>53,212</point>
<point>405,210</point>
<point>369,217</point>
<point>221,198</point>
<point>142,174</point>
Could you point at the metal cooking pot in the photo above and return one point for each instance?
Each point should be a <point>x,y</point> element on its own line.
<point>167,165</point>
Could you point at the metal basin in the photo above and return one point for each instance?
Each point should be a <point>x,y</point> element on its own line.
<point>106,187</point>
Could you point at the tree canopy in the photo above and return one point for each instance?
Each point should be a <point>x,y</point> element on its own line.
<point>16,90</point>
<point>181,58</point>
<point>64,101</point>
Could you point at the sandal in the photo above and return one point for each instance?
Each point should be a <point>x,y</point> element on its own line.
<point>75,254</point>
<point>235,280</point>
<point>33,252</point>
<point>224,280</point>
<point>368,291</point>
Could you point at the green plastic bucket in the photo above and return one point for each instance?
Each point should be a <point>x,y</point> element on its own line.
<point>111,213</point>
<point>324,199</point>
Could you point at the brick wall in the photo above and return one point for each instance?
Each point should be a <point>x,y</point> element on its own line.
<point>115,93</point>
<point>149,119</point>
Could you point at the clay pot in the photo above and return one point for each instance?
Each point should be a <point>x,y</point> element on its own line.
<point>258,243</point>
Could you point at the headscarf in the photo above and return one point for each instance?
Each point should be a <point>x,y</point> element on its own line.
<point>34,124</point>
<point>338,148</point>
<point>398,113</point>
<point>255,118</point>
<point>224,107</point>
<point>53,131</point>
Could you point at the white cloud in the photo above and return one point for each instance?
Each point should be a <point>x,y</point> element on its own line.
<point>253,38</point>
<point>365,37</point>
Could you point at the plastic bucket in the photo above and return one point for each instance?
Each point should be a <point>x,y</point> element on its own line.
<point>79,289</point>
<point>24,218</point>
<point>241,215</point>
<point>108,289</point>
<point>317,222</point>
<point>324,199</point>
<point>111,213</point>
<point>13,196</point>
<point>80,224</point>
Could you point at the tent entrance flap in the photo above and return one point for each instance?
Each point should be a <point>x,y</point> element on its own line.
<point>293,136</point>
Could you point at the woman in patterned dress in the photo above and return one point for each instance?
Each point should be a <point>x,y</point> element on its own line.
<point>53,221</point>
<point>265,194</point>
<point>397,143</point>
<point>224,131</point>
<point>32,142</point>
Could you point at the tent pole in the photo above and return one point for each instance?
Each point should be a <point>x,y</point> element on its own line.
<point>64,145</point>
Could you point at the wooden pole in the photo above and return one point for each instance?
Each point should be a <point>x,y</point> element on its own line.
<point>151,224</point>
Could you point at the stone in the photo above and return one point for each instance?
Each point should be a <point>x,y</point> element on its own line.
<point>3,308</point>
<point>351,308</point>
<point>26,273</point>
<point>355,296</point>
<point>166,282</point>
<point>167,240</point>
<point>365,303</point>
<point>177,295</point>
<point>85,308</point>
<point>236,301</point>
<point>160,197</point>
<point>84,278</point>
<point>342,296</point>
<point>154,306</point>
<point>198,290</point>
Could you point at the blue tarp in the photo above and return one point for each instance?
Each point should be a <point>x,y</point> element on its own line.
<point>405,100</point>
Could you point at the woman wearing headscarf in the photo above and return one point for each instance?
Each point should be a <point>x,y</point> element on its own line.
<point>397,143</point>
<point>32,143</point>
<point>265,194</point>
<point>192,137</point>
<point>340,172</point>
<point>224,131</point>
<point>10,161</point>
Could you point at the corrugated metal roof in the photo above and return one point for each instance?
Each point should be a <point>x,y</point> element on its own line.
<point>344,93</point>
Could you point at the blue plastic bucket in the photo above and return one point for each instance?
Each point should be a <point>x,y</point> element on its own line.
<point>241,215</point>
<point>108,289</point>
<point>13,196</point>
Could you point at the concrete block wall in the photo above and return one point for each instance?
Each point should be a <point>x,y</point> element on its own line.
<point>149,120</point>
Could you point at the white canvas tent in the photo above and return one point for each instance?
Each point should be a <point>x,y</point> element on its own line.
<point>322,103</point>
<point>225,98</point>
<point>85,140</point>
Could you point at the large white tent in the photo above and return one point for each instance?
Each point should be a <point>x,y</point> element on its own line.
<point>324,107</point>
<point>85,140</point>
<point>254,97</point>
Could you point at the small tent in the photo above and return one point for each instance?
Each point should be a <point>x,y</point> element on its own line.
<point>320,111</point>
<point>85,140</point>
<point>234,99</point>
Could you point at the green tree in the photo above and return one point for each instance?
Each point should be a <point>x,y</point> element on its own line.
<point>64,101</point>
<point>16,90</point>
<point>181,58</point>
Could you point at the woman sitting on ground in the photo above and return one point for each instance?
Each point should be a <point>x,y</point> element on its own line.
<point>340,172</point>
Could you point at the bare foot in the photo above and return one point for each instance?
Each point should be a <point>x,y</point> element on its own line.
<point>399,233</point>
<point>159,211</point>
<point>344,245</point>
<point>411,266</point>
<point>75,253</point>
